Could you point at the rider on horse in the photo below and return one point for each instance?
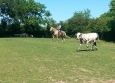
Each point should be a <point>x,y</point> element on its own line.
<point>59,29</point>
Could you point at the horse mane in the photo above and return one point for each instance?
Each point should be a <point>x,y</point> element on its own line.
<point>54,28</point>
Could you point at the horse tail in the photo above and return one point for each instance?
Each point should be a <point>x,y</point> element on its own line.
<point>97,37</point>
<point>66,35</point>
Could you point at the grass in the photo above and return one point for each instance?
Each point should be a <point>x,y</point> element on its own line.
<point>37,60</point>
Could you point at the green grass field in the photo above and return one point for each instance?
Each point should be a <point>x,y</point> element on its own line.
<point>37,60</point>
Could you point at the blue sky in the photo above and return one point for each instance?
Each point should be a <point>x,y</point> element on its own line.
<point>62,10</point>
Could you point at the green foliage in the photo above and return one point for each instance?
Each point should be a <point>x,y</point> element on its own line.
<point>24,9</point>
<point>24,12</point>
<point>112,7</point>
<point>28,16</point>
<point>111,21</point>
<point>78,22</point>
<point>51,22</point>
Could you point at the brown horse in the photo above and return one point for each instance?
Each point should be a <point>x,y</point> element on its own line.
<point>55,34</point>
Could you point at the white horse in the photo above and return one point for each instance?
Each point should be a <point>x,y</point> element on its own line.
<point>87,38</point>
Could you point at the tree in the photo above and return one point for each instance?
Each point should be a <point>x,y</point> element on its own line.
<point>25,12</point>
<point>79,21</point>
<point>111,20</point>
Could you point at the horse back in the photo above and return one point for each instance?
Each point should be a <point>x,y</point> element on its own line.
<point>63,33</point>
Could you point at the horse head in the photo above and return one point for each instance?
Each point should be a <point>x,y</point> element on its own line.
<point>51,28</point>
<point>78,35</point>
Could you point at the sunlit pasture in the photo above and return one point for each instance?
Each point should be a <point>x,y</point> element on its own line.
<point>38,60</point>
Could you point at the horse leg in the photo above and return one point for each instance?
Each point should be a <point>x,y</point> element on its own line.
<point>95,45</point>
<point>79,47</point>
<point>62,39</point>
<point>62,36</point>
<point>57,38</point>
<point>92,46</point>
<point>52,38</point>
<point>87,46</point>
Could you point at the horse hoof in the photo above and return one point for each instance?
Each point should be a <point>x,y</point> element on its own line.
<point>91,50</point>
<point>78,50</point>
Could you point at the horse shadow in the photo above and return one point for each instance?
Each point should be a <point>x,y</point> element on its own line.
<point>86,50</point>
<point>81,50</point>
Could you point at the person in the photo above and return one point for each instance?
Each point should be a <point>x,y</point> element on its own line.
<point>59,28</point>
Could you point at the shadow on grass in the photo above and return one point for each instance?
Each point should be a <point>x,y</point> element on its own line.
<point>86,50</point>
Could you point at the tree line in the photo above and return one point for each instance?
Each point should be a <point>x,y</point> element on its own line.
<point>30,17</point>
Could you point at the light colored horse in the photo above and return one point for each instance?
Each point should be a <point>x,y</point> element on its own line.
<point>87,38</point>
<point>55,34</point>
